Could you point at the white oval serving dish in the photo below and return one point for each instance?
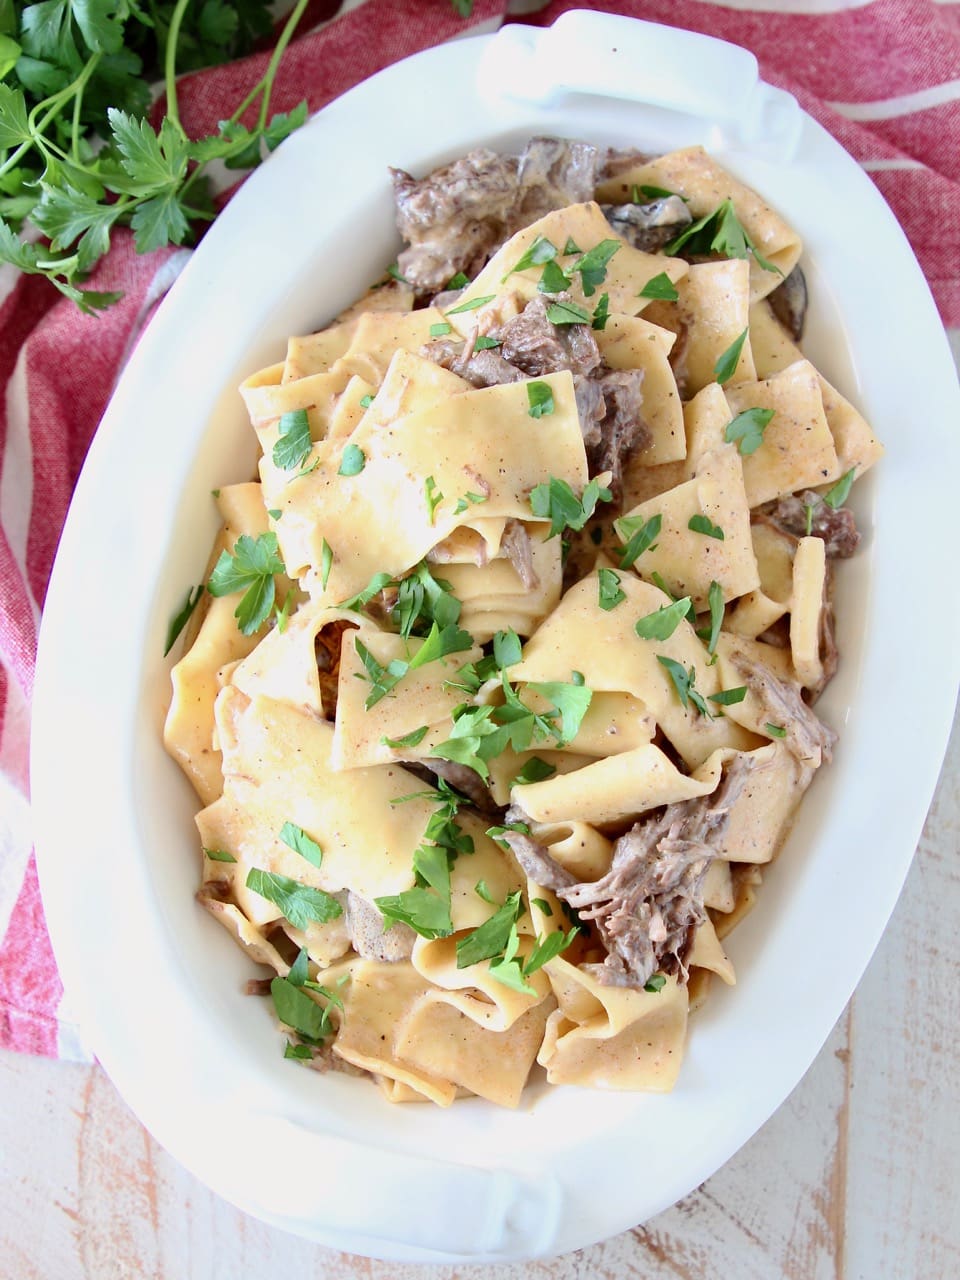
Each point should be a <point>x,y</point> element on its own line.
<point>159,986</point>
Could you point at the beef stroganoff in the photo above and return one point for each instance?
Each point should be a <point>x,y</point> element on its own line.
<point>500,693</point>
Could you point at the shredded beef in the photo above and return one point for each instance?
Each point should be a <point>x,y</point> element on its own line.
<point>789,515</point>
<point>535,345</point>
<point>327,649</point>
<point>788,302</point>
<point>517,547</point>
<point>484,368</point>
<point>368,935</point>
<point>649,905</point>
<point>616,429</point>
<point>617,160</point>
<point>552,174</point>
<point>808,739</point>
<point>649,226</point>
<point>454,218</point>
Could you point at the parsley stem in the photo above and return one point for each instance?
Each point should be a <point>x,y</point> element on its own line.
<point>170,65</point>
<point>53,106</point>
<point>265,85</point>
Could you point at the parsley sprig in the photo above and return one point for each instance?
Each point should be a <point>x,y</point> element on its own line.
<point>78,157</point>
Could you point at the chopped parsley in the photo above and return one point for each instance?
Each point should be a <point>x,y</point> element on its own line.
<point>727,362</point>
<point>564,312</point>
<point>326,562</point>
<point>592,267</point>
<point>440,329</point>
<point>534,770</point>
<point>540,398</point>
<point>729,697</point>
<point>703,524</point>
<point>293,443</point>
<point>712,633</point>
<point>300,903</point>
<point>683,682</point>
<point>352,460</point>
<point>639,534</point>
<point>251,569</point>
<point>472,304</point>
<point>601,313</point>
<point>660,288</point>
<point>838,495</point>
<point>484,342</point>
<point>663,622</point>
<point>540,251</point>
<point>554,499</point>
<point>775,730</point>
<point>747,429</point>
<point>655,983</point>
<point>433,496</point>
<point>412,739</point>
<point>609,591</point>
<point>182,616</point>
<point>296,838</point>
<point>720,232</point>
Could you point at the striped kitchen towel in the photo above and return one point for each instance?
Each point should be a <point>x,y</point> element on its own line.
<point>882,75</point>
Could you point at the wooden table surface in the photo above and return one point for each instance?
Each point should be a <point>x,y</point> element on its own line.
<point>856,1176</point>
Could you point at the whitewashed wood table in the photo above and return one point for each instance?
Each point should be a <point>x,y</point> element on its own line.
<point>856,1176</point>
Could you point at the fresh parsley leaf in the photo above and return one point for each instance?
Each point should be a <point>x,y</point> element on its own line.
<point>508,969</point>
<point>299,1052</point>
<point>489,939</point>
<point>571,247</point>
<point>352,460</point>
<point>425,910</point>
<point>661,288</point>
<point>703,524</point>
<point>549,947</point>
<point>412,739</point>
<point>747,428</point>
<point>601,313</point>
<point>609,591</point>
<point>838,495</point>
<point>712,633</point>
<point>653,193</point>
<point>572,702</point>
<point>663,622</point>
<point>366,401</point>
<point>681,678</point>
<point>472,304</point>
<point>483,342</point>
<point>540,397</point>
<point>554,499</point>
<point>326,563</point>
<point>459,281</point>
<point>182,617</point>
<point>296,1009</point>
<point>655,983</point>
<point>775,730</point>
<point>640,535</point>
<point>433,496</point>
<point>251,569</point>
<point>553,279</point>
<point>540,251</point>
<point>507,649</point>
<point>592,267</point>
<point>466,500</point>
<point>440,329</point>
<point>363,598</point>
<point>393,271</point>
<point>722,233</point>
<point>383,679</point>
<point>534,770</point>
<point>542,905</point>
<point>296,838</point>
<point>294,442</point>
<point>439,642</point>
<point>563,312</point>
<point>729,697</point>
<point>726,364</point>
<point>219,855</point>
<point>300,903</point>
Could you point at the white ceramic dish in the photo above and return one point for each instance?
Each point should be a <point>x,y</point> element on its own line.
<point>159,986</point>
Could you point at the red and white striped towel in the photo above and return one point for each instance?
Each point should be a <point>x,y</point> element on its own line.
<point>882,75</point>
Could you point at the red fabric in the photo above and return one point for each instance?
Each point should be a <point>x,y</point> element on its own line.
<point>58,367</point>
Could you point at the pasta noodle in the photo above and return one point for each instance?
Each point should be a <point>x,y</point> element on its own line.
<point>500,696</point>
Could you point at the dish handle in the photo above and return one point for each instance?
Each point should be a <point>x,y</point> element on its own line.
<point>394,1205</point>
<point>609,55</point>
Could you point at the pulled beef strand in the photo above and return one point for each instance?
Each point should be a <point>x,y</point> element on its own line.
<point>535,345</point>
<point>456,217</point>
<point>788,302</point>
<point>453,219</point>
<point>649,905</point>
<point>368,935</point>
<point>789,516</point>
<point>808,739</point>
<point>518,549</point>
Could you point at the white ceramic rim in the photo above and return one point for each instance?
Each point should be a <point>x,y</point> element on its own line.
<point>158,994</point>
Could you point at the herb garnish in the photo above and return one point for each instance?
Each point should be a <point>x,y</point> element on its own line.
<point>294,442</point>
<point>720,232</point>
<point>703,524</point>
<point>661,288</point>
<point>683,682</point>
<point>472,304</point>
<point>250,569</point>
<point>433,495</point>
<point>182,616</point>
<point>640,535</point>
<point>352,460</point>
<point>748,428</point>
<point>300,903</point>
<point>838,495</point>
<point>726,364</point>
<point>609,591</point>
<point>555,499</point>
<point>296,838</point>
<point>663,622</point>
<point>540,397</point>
<point>540,251</point>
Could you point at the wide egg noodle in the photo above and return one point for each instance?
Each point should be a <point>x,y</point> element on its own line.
<point>494,596</point>
<point>607,1037</point>
<point>632,342</point>
<point>695,175</point>
<point>188,732</point>
<point>605,647</point>
<point>710,316</point>
<point>487,434</point>
<point>797,450</point>
<point>627,272</point>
